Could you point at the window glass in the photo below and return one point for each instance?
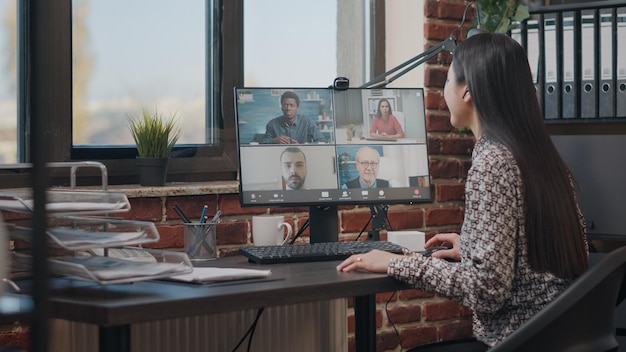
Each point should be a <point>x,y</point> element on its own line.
<point>129,54</point>
<point>291,43</point>
<point>8,86</point>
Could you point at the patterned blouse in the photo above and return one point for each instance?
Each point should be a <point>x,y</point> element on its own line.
<point>493,278</point>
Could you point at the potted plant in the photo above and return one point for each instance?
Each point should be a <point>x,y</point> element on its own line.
<point>500,16</point>
<point>154,136</point>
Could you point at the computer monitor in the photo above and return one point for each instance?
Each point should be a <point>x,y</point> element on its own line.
<point>343,151</point>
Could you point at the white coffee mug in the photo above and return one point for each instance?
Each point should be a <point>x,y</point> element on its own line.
<point>267,230</point>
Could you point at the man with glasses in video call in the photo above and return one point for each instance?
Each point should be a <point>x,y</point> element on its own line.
<point>367,162</point>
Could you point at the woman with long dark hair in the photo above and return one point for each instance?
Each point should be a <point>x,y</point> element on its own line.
<point>523,238</point>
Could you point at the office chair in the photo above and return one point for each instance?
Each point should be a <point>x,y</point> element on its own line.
<point>581,318</point>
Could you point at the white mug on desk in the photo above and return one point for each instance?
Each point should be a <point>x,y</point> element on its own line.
<point>267,230</point>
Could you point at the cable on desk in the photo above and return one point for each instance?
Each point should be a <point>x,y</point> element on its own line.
<point>300,231</point>
<point>364,227</point>
<point>250,331</point>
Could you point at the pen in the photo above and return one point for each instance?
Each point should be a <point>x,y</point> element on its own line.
<point>202,237</point>
<point>197,238</point>
<point>180,213</point>
<point>204,209</point>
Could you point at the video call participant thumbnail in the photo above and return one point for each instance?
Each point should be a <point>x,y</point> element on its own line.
<point>291,127</point>
<point>294,169</point>
<point>367,163</point>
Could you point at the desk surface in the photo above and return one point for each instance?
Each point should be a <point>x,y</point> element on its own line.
<point>114,305</point>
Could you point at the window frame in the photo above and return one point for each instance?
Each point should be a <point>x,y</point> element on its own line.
<point>208,163</point>
<point>213,163</point>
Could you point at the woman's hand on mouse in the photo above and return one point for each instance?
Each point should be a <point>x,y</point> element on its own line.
<point>450,240</point>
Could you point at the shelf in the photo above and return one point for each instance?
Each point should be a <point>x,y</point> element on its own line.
<point>138,264</point>
<point>68,202</point>
<point>81,233</point>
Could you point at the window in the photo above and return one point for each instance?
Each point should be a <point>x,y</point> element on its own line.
<point>159,57</point>
<point>90,71</point>
<point>8,83</point>
<point>152,55</point>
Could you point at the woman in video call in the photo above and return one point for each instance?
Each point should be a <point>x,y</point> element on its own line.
<point>384,123</point>
<point>523,239</point>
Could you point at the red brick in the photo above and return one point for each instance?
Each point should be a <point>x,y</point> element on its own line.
<point>144,209</point>
<point>418,335</point>
<point>465,166</point>
<point>431,8</point>
<point>18,336</point>
<point>432,311</point>
<point>406,295</point>
<point>444,216</point>
<point>434,30</point>
<point>432,99</point>
<point>171,237</point>
<point>435,77</point>
<point>406,218</point>
<point>448,191</point>
<point>436,122</point>
<point>191,206</point>
<point>457,145</point>
<point>232,232</point>
<point>355,220</point>
<point>387,340</point>
<point>405,314</point>
<point>434,148</point>
<point>386,296</point>
<point>444,168</point>
<point>453,10</point>
<point>229,205</point>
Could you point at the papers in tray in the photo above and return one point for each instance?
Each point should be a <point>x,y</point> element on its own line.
<point>108,269</point>
<point>68,202</point>
<point>210,274</point>
<point>78,237</point>
<point>61,207</point>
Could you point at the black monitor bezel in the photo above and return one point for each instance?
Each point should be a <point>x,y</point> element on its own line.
<point>332,200</point>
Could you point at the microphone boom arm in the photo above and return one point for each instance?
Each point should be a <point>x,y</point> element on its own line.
<point>448,44</point>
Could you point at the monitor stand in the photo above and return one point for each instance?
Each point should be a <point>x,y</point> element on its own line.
<point>323,223</point>
<point>379,221</point>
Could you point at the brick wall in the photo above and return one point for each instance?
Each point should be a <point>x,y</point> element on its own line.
<point>419,317</point>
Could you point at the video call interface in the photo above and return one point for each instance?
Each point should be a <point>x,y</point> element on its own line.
<point>315,146</point>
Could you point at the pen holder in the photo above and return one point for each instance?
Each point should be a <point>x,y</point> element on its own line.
<point>199,241</point>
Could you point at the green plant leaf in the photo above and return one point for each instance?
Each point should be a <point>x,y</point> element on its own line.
<point>521,13</point>
<point>154,135</point>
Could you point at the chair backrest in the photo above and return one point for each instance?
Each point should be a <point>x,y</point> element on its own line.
<point>581,318</point>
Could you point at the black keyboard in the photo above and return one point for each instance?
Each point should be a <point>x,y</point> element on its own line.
<point>315,252</point>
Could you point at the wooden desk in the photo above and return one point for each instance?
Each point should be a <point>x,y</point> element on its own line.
<point>114,307</point>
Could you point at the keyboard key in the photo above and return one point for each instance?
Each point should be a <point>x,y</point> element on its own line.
<point>314,252</point>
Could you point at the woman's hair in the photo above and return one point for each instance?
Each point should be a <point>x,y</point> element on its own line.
<point>378,114</point>
<point>498,77</point>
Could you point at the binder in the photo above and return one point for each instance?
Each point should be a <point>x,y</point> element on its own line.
<point>606,94</point>
<point>569,88</point>
<point>587,84</point>
<point>532,49</point>
<point>621,63</point>
<point>551,93</point>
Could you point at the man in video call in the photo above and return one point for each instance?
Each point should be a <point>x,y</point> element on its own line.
<point>367,162</point>
<point>291,127</point>
<point>293,166</point>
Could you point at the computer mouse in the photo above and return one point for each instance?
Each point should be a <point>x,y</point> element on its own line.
<point>433,249</point>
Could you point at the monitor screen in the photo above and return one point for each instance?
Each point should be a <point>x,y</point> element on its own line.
<point>326,147</point>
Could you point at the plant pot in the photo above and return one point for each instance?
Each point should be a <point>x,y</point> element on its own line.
<point>152,171</point>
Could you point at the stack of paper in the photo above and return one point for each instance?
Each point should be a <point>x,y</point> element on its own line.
<point>209,274</point>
